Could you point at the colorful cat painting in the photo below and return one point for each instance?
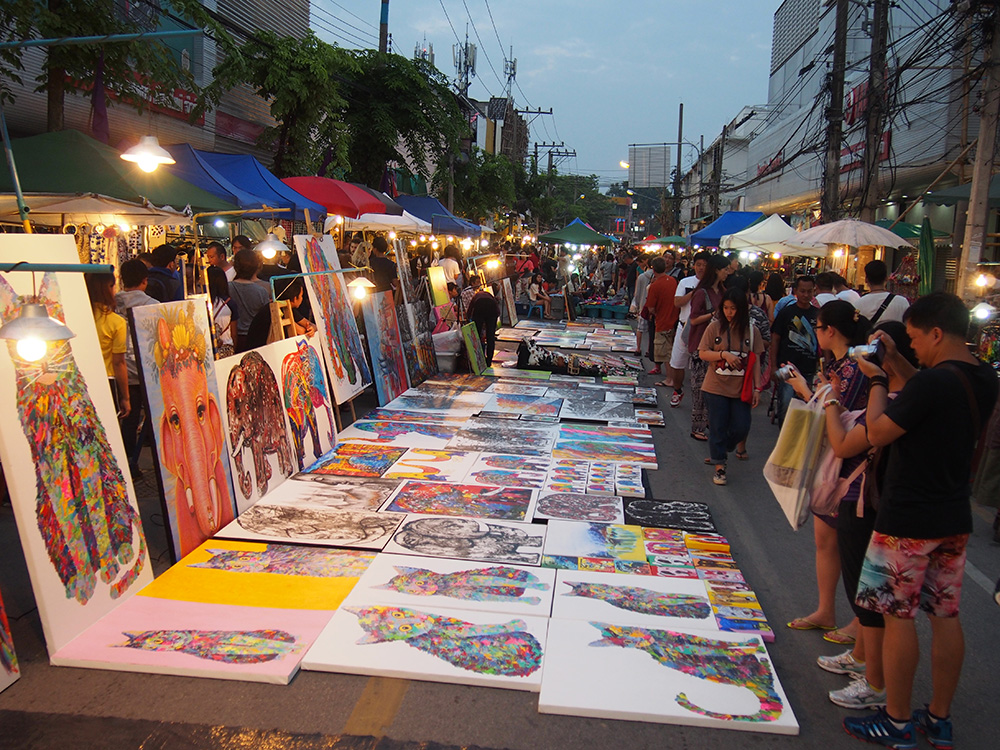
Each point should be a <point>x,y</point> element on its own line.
<point>497,584</point>
<point>226,646</point>
<point>643,601</point>
<point>84,515</point>
<point>726,663</point>
<point>279,559</point>
<point>503,649</point>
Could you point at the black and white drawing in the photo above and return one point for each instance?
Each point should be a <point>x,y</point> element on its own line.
<point>469,539</point>
<point>694,517</point>
<point>313,525</point>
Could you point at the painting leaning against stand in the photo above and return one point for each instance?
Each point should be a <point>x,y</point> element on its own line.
<point>474,348</point>
<point>382,330</point>
<point>62,451</point>
<point>9,672</point>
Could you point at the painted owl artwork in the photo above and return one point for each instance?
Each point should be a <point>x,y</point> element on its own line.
<point>497,584</point>
<point>285,560</point>
<point>505,649</point>
<point>225,646</point>
<point>742,665</point>
<point>643,601</point>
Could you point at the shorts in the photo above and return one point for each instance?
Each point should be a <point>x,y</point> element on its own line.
<point>679,354</point>
<point>900,575</point>
<point>663,345</point>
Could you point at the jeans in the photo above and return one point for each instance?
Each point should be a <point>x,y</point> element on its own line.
<point>728,424</point>
<point>785,395</point>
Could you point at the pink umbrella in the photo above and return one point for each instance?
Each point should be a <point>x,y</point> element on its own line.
<point>336,196</point>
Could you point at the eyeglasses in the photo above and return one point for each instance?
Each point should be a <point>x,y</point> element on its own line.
<point>821,328</point>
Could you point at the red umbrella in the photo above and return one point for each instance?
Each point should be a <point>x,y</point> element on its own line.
<point>336,196</point>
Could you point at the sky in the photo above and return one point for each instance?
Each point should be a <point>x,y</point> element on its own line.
<point>613,71</point>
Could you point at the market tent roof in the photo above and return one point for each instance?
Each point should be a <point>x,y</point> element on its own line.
<point>391,207</point>
<point>69,162</point>
<point>729,223</point>
<point>670,239</point>
<point>406,222</point>
<point>57,210</point>
<point>193,168</point>
<point>338,197</point>
<point>254,177</point>
<point>951,196</point>
<point>576,233</point>
<point>765,236</point>
<point>906,230</point>
<point>442,220</point>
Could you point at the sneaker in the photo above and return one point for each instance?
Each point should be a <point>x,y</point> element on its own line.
<point>844,663</point>
<point>859,694</point>
<point>720,476</point>
<point>938,733</point>
<point>675,399</point>
<point>880,730</point>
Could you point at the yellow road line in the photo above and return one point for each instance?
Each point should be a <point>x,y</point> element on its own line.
<point>377,706</point>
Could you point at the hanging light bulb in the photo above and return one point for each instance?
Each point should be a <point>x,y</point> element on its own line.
<point>359,287</point>
<point>148,154</point>
<point>32,329</point>
<point>271,246</point>
<point>219,223</point>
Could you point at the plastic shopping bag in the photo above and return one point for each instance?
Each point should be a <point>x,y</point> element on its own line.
<point>790,468</point>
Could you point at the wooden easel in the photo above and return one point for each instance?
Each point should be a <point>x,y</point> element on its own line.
<point>282,321</point>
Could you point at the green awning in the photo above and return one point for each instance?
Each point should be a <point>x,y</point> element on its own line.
<point>576,233</point>
<point>906,230</point>
<point>68,161</point>
<point>951,196</point>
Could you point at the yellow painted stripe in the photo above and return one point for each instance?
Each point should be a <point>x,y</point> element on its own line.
<point>377,706</point>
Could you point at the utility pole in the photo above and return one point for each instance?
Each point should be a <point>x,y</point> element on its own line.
<point>830,205</point>
<point>383,28</point>
<point>545,145</point>
<point>677,173</point>
<point>982,169</point>
<point>717,174</point>
<point>465,63</point>
<point>875,111</point>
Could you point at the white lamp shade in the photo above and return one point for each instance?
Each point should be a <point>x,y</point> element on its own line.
<point>34,322</point>
<point>270,246</point>
<point>148,154</point>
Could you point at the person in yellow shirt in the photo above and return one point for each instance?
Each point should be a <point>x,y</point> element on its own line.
<point>112,332</point>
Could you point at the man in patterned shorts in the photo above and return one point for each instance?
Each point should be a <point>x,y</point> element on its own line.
<point>916,557</point>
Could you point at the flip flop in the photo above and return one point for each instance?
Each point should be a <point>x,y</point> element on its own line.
<point>699,436</point>
<point>803,623</point>
<point>742,455</point>
<point>664,383</point>
<point>839,637</point>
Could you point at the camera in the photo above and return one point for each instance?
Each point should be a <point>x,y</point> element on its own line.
<point>785,373</point>
<point>873,352</point>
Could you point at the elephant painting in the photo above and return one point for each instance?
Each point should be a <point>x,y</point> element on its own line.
<point>191,435</point>
<point>305,391</point>
<point>256,421</point>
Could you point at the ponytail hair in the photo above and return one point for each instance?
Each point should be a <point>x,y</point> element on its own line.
<point>845,318</point>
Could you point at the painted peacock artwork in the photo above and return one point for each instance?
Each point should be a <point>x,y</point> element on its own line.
<point>226,646</point>
<point>496,584</point>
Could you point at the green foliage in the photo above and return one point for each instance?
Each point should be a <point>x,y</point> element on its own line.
<point>484,184</point>
<point>567,204</point>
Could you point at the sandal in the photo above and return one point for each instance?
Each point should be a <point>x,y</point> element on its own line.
<point>700,436</point>
<point>804,623</point>
<point>839,637</point>
<point>742,455</point>
<point>664,383</point>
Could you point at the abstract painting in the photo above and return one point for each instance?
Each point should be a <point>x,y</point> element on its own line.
<point>330,491</point>
<point>473,501</point>
<point>567,475</point>
<point>628,481</point>
<point>596,411</point>
<point>513,372</point>
<point>312,524</point>
<point>405,434</point>
<point>685,516</point>
<point>417,344</point>
<point>515,403</point>
<point>454,406</point>
<point>676,676</point>
<point>580,507</point>
<point>338,330</point>
<point>590,450</point>
<point>407,581</point>
<point>433,465</point>
<point>506,542</point>
<point>515,388</point>
<point>307,400</point>
<point>432,643</point>
<point>357,460</point>
<point>62,453</point>
<point>253,574</point>
<point>508,301</point>
<point>650,417</point>
<point>402,415</point>
<point>9,671</point>
<point>503,436</point>
<point>601,478</point>
<point>193,639</point>
<point>474,348</point>
<point>604,433</point>
<point>599,540</point>
<point>382,332</point>
<point>506,470</point>
<point>438,285</point>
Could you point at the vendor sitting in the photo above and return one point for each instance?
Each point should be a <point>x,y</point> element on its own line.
<point>260,327</point>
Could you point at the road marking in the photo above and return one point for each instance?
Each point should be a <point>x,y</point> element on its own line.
<point>376,708</point>
<point>979,578</point>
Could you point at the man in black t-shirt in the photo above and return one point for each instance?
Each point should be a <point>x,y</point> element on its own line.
<point>793,340</point>
<point>484,311</point>
<point>384,272</point>
<point>916,557</point>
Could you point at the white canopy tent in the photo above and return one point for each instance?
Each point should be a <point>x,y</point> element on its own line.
<point>58,210</point>
<point>387,222</point>
<point>766,237</point>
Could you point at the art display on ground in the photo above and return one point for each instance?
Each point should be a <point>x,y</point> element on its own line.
<point>253,574</point>
<point>572,506</point>
<point>331,491</point>
<point>307,402</point>
<point>474,348</point>
<point>432,643</point>
<point>404,415</point>
<point>407,434</point>
<point>600,540</point>
<point>308,523</point>
<point>254,420</point>
<point>596,410</point>
<point>382,332</point>
<point>9,671</point>
<point>507,542</point>
<point>603,433</point>
<point>515,403</point>
<point>591,450</point>
<point>433,465</point>
<point>507,470</point>
<point>173,347</point>
<point>453,406</point>
<point>503,436</point>
<point>686,516</point>
<point>357,460</point>
<point>406,581</point>
<point>191,639</point>
<point>328,297</point>
<point>671,676</point>
<point>473,501</point>
<point>62,453</point>
<point>516,388</point>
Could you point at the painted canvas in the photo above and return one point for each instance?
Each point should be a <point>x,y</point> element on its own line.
<point>599,540</point>
<point>469,539</point>
<point>439,286</point>
<point>601,478</point>
<point>404,415</point>
<point>503,436</point>
<point>62,453</point>
<point>419,315</point>
<point>628,481</point>
<point>418,365</point>
<point>474,348</point>
<point>644,455</point>
<point>338,330</point>
<point>644,601</point>
<point>432,643</point>
<point>671,676</point>
<point>567,475</point>
<point>453,406</point>
<point>254,421</point>
<point>433,465</point>
<point>572,506</point>
<point>513,372</point>
<point>9,671</point>
<point>604,433</point>
<point>403,434</point>
<point>515,403</point>
<point>382,332</point>
<point>686,516</point>
<point>473,501</point>
<point>313,524</point>
<point>508,470</point>
<point>306,396</point>
<point>357,460</point>
<point>407,581</point>
<point>330,491</point>
<point>191,639</point>
<point>515,388</point>
<point>597,411</point>
<point>508,301</point>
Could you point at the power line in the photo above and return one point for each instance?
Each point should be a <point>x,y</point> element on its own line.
<point>355,15</point>
<point>334,18</point>
<point>483,46</point>
<point>497,33</point>
<point>457,38</point>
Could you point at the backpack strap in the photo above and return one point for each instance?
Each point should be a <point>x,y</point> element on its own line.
<point>885,303</point>
<point>978,429</point>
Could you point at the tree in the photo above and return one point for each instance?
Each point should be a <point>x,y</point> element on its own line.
<point>484,184</point>
<point>576,195</point>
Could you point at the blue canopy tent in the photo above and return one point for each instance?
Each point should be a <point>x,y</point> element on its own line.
<point>730,222</point>
<point>253,177</point>
<point>192,168</point>
<point>442,220</point>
